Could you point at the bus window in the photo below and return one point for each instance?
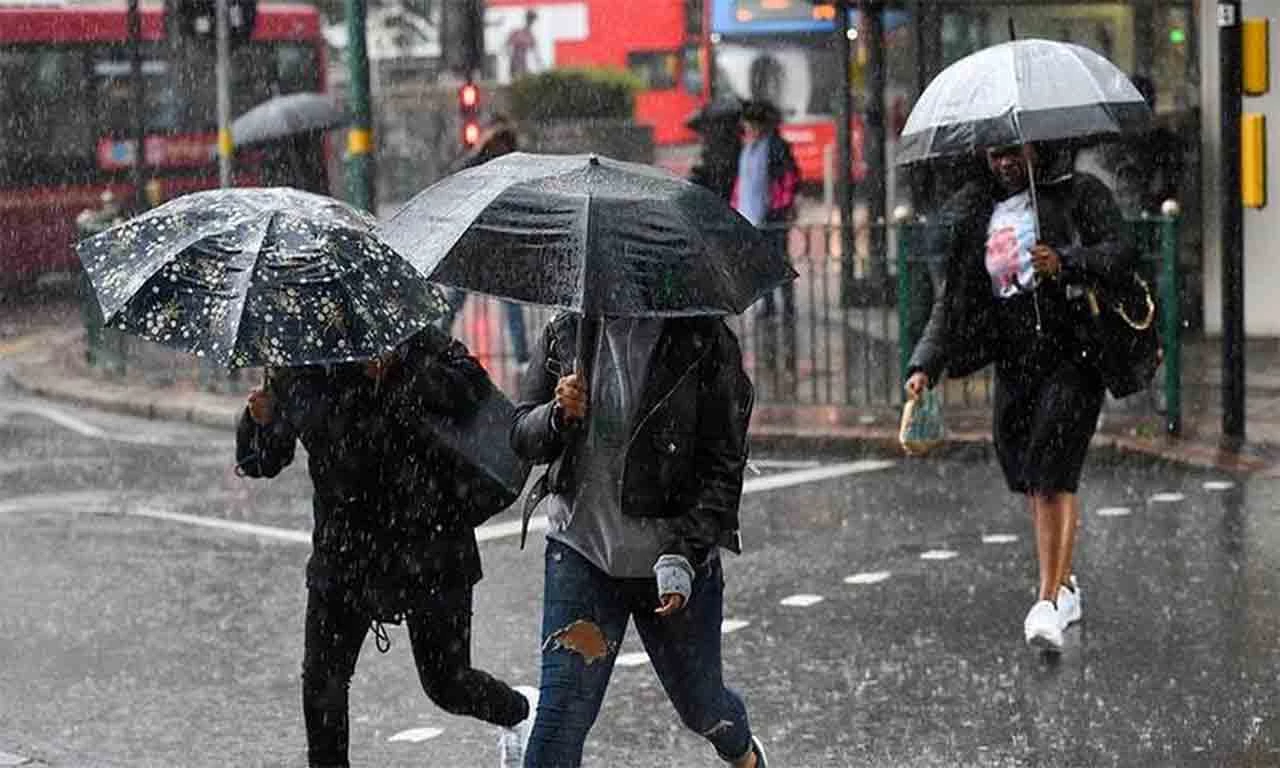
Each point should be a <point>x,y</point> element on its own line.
<point>658,70</point>
<point>49,118</point>
<point>694,77</point>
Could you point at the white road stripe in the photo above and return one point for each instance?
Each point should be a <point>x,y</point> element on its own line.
<point>785,463</point>
<point>802,601</point>
<point>493,531</point>
<point>729,626</point>
<point>999,538</point>
<point>1113,512</point>
<point>265,531</point>
<point>873,577</point>
<point>938,554</point>
<point>415,735</point>
<point>1219,485</point>
<point>1169,497</point>
<point>59,418</point>
<point>94,500</point>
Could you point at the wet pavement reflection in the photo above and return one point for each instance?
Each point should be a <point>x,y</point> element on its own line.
<point>140,641</point>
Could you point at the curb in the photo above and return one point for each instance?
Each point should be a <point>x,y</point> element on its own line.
<point>216,412</point>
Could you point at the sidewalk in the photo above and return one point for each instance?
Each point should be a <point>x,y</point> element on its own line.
<point>166,385</point>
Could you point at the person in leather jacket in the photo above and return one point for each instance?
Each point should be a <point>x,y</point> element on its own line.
<point>646,455</point>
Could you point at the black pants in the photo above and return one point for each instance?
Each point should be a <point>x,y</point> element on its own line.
<point>441,640</point>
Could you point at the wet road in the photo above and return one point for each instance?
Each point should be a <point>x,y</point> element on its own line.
<point>875,618</point>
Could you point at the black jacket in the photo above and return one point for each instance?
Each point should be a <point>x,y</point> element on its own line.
<point>688,448</point>
<point>390,526</point>
<point>1078,217</point>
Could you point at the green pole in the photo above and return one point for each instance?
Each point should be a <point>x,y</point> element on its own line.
<point>904,295</point>
<point>360,136</point>
<point>1172,320</point>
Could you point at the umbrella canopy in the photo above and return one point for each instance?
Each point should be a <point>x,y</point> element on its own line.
<point>284,116</point>
<point>252,277</point>
<point>1020,92</point>
<point>723,110</point>
<point>587,234</point>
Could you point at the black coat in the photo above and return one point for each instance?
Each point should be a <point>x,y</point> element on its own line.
<point>390,527</point>
<point>1078,218</point>
<point>688,448</point>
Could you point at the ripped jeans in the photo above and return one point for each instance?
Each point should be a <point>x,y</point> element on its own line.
<point>584,617</point>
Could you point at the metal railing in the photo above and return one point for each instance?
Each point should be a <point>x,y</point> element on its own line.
<point>840,335</point>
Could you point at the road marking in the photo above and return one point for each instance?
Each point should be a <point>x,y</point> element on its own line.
<point>785,464</point>
<point>813,475</point>
<point>7,759</point>
<point>802,601</point>
<point>8,467</point>
<point>59,418</point>
<point>938,554</point>
<point>872,577</point>
<point>493,531</point>
<point>729,626</point>
<point>1168,497</point>
<point>92,499</point>
<point>1114,512</point>
<point>999,538</point>
<point>1219,485</point>
<point>634,659</point>
<point>264,531</point>
<point>415,735</point>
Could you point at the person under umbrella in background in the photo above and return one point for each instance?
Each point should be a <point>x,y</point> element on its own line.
<point>393,539</point>
<point>1006,301</point>
<point>718,127</point>
<point>764,192</point>
<point>640,497</point>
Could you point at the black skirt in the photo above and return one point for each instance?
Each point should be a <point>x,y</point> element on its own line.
<point>1047,401</point>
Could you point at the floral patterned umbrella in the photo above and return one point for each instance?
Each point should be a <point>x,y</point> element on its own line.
<point>259,277</point>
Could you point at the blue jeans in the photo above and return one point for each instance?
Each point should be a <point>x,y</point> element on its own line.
<point>584,617</point>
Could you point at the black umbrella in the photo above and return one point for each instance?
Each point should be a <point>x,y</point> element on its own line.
<point>587,234</point>
<point>720,111</point>
<point>284,116</point>
<point>249,277</point>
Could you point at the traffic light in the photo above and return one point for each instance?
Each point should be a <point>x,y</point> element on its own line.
<point>469,110</point>
<point>194,20</point>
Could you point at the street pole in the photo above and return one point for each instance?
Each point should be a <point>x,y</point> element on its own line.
<point>360,136</point>
<point>1233,331</point>
<point>874,144</point>
<point>139,125</point>
<point>222,67</point>
<point>844,152</point>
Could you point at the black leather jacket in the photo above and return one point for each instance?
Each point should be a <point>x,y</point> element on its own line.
<point>688,448</point>
<point>1078,217</point>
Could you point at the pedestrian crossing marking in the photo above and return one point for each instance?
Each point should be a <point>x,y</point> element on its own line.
<point>1219,485</point>
<point>939,554</point>
<point>802,601</point>
<point>1113,512</point>
<point>873,577</point>
<point>999,538</point>
<point>1169,497</point>
<point>417,735</point>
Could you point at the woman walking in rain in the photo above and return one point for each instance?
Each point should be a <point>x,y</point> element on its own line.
<point>640,495</point>
<point>393,538</point>
<point>1008,300</point>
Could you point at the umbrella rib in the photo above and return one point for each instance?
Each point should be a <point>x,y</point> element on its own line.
<point>246,284</point>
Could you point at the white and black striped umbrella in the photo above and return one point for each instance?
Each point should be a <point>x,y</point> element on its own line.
<point>1020,92</point>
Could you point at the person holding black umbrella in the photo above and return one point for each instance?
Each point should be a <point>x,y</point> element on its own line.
<point>393,538</point>
<point>640,499</point>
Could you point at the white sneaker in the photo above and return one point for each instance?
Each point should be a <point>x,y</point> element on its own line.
<point>1042,628</point>
<point>1070,603</point>
<point>513,741</point>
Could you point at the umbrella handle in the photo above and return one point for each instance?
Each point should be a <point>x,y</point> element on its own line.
<point>588,336</point>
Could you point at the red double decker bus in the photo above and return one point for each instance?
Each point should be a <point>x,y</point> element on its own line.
<point>66,108</point>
